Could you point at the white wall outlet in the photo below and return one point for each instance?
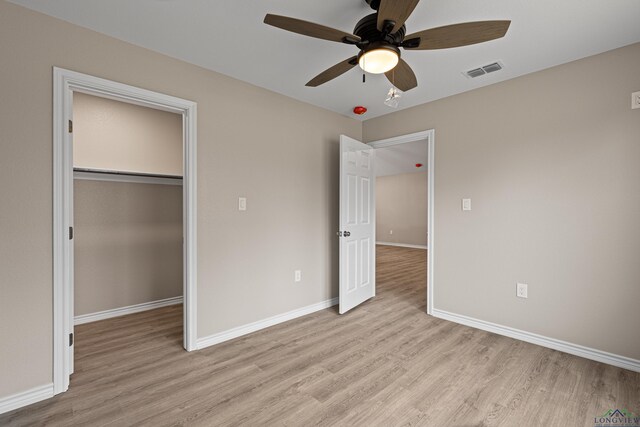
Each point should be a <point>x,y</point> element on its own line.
<point>390,231</point>
<point>635,100</point>
<point>297,275</point>
<point>242,203</point>
<point>521,290</point>
<point>466,204</point>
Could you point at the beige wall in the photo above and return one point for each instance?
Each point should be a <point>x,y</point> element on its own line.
<point>279,153</point>
<point>114,135</point>
<point>551,162</point>
<point>401,207</point>
<point>128,244</point>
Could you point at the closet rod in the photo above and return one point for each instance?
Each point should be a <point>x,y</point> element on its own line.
<point>112,172</point>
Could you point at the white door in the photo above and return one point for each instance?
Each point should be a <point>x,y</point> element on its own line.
<point>357,231</point>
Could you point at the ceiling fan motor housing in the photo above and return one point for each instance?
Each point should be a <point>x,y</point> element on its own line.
<point>367,30</point>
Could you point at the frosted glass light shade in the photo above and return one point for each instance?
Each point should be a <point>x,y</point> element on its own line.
<point>378,61</point>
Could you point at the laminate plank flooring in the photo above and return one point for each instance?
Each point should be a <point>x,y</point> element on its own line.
<point>385,363</point>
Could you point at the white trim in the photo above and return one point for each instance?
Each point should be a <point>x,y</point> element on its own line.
<point>402,245</point>
<point>24,398</point>
<point>566,347</point>
<point>429,135</point>
<point>189,211</point>
<point>431,219</point>
<point>66,82</point>
<point>265,323</point>
<point>134,179</point>
<point>403,139</point>
<point>123,311</point>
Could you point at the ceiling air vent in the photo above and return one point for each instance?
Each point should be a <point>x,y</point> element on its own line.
<point>475,73</point>
<point>485,69</point>
<point>492,67</point>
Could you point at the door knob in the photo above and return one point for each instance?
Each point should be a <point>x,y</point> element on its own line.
<point>347,234</point>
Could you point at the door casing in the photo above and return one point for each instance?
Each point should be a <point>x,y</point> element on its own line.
<point>429,135</point>
<point>65,82</point>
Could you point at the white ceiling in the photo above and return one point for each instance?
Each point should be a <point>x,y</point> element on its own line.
<point>402,158</point>
<point>229,37</point>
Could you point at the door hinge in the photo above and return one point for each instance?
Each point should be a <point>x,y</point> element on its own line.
<point>70,233</point>
<point>70,126</point>
<point>70,339</point>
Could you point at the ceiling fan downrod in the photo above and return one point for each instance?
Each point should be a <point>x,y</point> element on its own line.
<point>375,4</point>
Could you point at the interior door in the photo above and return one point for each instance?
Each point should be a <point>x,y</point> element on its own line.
<point>357,232</point>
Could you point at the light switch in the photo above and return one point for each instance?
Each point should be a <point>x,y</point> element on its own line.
<point>242,204</point>
<point>466,204</point>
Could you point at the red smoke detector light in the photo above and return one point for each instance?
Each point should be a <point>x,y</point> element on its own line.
<point>418,165</point>
<point>359,110</point>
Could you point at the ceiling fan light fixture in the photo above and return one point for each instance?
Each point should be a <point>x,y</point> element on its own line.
<point>379,60</point>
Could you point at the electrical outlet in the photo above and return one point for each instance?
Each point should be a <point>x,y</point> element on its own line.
<point>635,100</point>
<point>521,290</point>
<point>390,231</point>
<point>297,275</point>
<point>466,204</point>
<point>242,203</point>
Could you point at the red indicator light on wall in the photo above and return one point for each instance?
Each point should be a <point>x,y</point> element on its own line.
<point>418,165</point>
<point>359,110</point>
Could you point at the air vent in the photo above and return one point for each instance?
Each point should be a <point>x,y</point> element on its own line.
<point>485,69</point>
<point>492,67</point>
<point>476,73</point>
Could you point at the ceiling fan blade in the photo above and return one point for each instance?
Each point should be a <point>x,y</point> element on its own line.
<point>395,10</point>
<point>333,72</point>
<point>457,35</point>
<point>310,29</point>
<point>402,76</point>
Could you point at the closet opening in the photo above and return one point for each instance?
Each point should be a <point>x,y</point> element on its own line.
<point>128,225</point>
<point>124,225</point>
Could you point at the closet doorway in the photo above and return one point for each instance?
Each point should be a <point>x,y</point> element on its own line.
<point>134,203</point>
<point>127,223</point>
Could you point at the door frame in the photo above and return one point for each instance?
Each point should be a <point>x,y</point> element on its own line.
<point>429,135</point>
<point>65,82</point>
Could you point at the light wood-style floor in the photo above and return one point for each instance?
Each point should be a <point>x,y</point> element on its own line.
<point>386,363</point>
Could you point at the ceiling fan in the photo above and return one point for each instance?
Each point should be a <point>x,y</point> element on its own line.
<point>380,36</point>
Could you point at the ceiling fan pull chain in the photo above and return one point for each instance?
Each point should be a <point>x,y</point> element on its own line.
<point>363,73</point>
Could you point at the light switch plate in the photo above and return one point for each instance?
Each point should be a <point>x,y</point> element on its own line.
<point>466,204</point>
<point>635,100</point>
<point>242,203</point>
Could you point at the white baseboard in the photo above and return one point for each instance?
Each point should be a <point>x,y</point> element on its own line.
<point>567,347</point>
<point>261,324</point>
<point>402,245</point>
<point>116,312</point>
<point>25,398</point>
